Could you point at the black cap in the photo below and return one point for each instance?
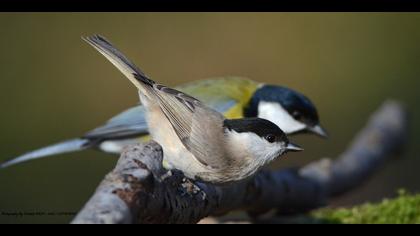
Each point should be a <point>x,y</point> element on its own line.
<point>260,127</point>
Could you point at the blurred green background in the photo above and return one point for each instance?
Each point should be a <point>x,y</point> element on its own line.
<point>54,86</point>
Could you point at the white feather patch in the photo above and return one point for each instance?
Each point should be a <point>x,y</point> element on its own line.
<point>275,113</point>
<point>116,146</point>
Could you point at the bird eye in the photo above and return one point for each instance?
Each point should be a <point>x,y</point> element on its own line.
<point>297,115</point>
<point>270,138</point>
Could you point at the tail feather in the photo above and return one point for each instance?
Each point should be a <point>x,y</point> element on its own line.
<point>128,68</point>
<point>63,147</point>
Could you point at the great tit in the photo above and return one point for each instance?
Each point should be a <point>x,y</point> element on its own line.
<point>235,97</point>
<point>196,139</point>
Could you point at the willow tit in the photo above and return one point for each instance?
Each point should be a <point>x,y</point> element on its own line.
<point>196,139</point>
<point>234,97</point>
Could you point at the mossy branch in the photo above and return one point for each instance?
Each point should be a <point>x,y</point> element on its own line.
<point>404,209</point>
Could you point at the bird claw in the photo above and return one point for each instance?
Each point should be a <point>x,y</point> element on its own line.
<point>190,187</point>
<point>187,186</point>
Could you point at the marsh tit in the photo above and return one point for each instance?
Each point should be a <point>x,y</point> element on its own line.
<point>195,138</point>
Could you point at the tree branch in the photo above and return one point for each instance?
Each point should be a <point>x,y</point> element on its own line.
<point>139,190</point>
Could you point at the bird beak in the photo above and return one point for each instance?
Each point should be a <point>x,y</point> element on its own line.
<point>317,129</point>
<point>293,148</point>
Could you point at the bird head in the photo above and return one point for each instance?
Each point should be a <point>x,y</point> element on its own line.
<point>290,110</point>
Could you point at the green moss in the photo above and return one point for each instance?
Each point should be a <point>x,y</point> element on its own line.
<point>405,209</point>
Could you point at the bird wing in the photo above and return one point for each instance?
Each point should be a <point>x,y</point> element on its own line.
<point>130,123</point>
<point>193,122</point>
<point>212,92</point>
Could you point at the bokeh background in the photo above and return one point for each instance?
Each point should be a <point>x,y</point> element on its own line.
<point>54,87</point>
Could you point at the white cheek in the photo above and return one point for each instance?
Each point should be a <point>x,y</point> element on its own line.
<point>259,149</point>
<point>278,115</point>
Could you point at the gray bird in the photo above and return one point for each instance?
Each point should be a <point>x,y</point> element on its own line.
<point>196,139</point>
